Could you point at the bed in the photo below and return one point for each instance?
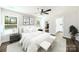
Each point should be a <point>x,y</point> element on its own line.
<point>32,41</point>
<point>58,45</point>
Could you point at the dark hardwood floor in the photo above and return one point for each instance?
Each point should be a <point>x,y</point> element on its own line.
<point>3,46</point>
<point>70,46</point>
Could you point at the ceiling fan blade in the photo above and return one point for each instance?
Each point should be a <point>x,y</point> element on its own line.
<point>42,11</point>
<point>47,10</point>
<point>46,13</point>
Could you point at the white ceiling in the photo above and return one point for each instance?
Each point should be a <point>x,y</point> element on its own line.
<point>27,9</point>
<point>34,10</point>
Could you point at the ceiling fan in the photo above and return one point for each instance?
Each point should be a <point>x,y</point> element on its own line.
<point>45,11</point>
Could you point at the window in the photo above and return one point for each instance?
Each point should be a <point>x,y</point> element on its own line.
<point>10,22</point>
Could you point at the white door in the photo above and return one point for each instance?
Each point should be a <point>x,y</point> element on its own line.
<point>59,24</point>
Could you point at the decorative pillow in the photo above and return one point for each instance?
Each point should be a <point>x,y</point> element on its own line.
<point>28,29</point>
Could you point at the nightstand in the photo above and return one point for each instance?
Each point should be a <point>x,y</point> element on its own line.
<point>40,29</point>
<point>46,30</point>
<point>15,37</point>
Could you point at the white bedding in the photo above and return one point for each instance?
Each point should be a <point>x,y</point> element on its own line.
<point>32,41</point>
<point>26,37</point>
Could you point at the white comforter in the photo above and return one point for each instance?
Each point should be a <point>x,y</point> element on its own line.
<point>32,41</point>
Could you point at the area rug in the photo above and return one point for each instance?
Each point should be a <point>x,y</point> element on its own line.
<point>14,47</point>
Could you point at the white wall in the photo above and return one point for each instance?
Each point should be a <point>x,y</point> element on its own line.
<point>5,12</point>
<point>52,25</point>
<point>0,16</point>
<point>19,16</point>
<point>0,26</point>
<point>0,19</point>
<point>6,33</point>
<point>71,18</point>
<point>13,14</point>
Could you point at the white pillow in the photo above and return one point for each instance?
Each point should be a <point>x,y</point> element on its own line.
<point>28,29</point>
<point>45,45</point>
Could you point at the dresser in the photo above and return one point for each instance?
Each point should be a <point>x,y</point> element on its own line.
<point>15,37</point>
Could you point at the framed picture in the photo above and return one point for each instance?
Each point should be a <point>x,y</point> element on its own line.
<point>31,21</point>
<point>28,21</point>
<point>10,22</point>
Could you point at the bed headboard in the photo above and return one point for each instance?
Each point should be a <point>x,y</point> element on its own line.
<point>25,29</point>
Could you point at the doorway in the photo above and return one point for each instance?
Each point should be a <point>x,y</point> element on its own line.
<point>59,24</point>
